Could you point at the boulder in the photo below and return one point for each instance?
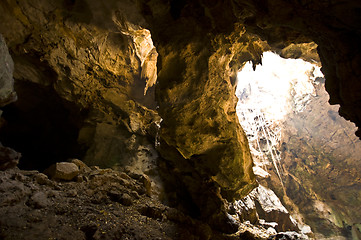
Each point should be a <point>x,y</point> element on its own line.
<point>263,204</point>
<point>9,158</point>
<point>81,165</point>
<point>38,200</point>
<point>62,171</point>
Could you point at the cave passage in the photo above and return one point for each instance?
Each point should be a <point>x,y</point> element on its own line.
<point>41,126</point>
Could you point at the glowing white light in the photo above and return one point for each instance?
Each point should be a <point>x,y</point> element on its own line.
<point>277,83</point>
<point>277,87</point>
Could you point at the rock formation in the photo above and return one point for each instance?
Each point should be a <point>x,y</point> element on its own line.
<point>320,162</point>
<point>7,93</point>
<point>100,61</point>
<point>9,158</point>
<point>333,26</point>
<point>85,72</point>
<point>100,204</point>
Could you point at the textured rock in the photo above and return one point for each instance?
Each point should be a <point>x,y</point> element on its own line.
<point>288,236</point>
<point>7,93</point>
<point>83,168</point>
<point>262,203</point>
<point>42,179</point>
<point>9,158</point>
<point>87,210</point>
<point>333,26</point>
<point>99,57</point>
<point>199,135</point>
<point>38,200</point>
<point>321,156</point>
<point>91,56</point>
<point>62,171</point>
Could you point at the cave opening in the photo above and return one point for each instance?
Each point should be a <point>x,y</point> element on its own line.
<point>41,126</point>
<point>267,95</point>
<point>302,149</point>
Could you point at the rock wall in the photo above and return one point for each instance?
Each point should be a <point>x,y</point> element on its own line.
<point>99,60</point>
<point>97,64</point>
<point>332,25</point>
<point>100,63</point>
<point>319,163</point>
<point>7,93</point>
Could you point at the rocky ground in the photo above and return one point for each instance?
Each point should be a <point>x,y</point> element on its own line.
<point>97,204</point>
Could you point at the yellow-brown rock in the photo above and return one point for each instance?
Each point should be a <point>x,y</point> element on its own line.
<point>96,59</point>
<point>98,63</point>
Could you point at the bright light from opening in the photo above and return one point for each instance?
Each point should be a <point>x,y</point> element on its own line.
<point>266,95</point>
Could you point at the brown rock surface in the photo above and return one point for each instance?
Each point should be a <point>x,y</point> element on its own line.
<point>262,203</point>
<point>62,171</point>
<point>9,158</point>
<point>103,207</point>
<point>97,60</point>
<point>7,93</point>
<point>92,57</point>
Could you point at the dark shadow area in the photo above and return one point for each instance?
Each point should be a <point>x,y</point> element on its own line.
<point>41,126</point>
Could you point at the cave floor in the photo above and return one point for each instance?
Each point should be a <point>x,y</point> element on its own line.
<point>97,204</point>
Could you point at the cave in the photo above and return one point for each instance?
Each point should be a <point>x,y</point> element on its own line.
<point>42,126</point>
<point>133,105</point>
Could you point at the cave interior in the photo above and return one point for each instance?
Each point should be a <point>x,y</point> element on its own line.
<point>150,88</point>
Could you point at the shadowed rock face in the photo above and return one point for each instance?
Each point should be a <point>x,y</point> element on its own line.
<point>7,93</point>
<point>91,57</point>
<point>99,56</point>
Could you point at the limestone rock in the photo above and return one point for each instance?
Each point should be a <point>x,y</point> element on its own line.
<point>38,200</point>
<point>42,179</point>
<point>152,212</point>
<point>123,198</point>
<point>320,156</point>
<point>101,66</point>
<point>338,49</point>
<point>224,223</point>
<point>62,171</point>
<point>99,57</point>
<point>82,166</point>
<point>9,158</point>
<point>288,235</point>
<point>262,203</point>
<point>7,92</point>
<point>69,211</point>
<point>147,184</point>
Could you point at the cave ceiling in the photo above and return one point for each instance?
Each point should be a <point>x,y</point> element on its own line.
<point>99,56</point>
